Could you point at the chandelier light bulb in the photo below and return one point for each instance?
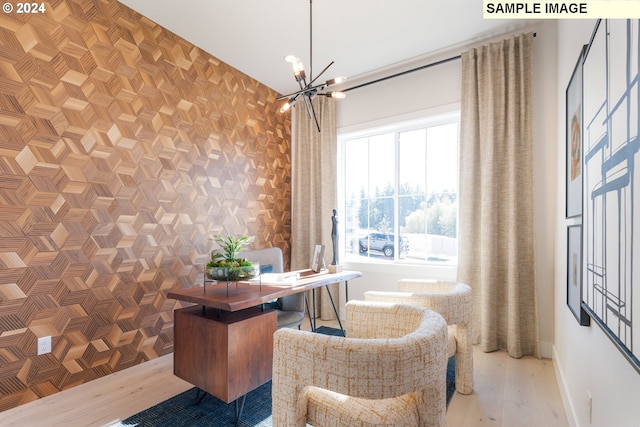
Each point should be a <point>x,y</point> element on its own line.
<point>298,69</point>
<point>338,95</point>
<point>297,66</point>
<point>334,81</point>
<point>285,107</point>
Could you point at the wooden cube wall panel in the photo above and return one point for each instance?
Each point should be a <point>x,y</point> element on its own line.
<point>121,147</point>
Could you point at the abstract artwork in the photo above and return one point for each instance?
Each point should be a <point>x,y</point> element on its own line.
<point>574,140</point>
<point>611,105</point>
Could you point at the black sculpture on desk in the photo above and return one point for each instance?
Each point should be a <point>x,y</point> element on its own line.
<point>334,237</point>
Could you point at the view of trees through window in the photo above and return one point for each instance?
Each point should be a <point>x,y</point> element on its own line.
<point>399,194</point>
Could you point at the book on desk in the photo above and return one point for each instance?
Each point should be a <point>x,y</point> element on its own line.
<point>285,279</point>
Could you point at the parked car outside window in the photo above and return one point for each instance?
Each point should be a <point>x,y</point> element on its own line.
<point>383,242</point>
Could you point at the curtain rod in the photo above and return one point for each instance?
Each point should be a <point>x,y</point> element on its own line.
<point>402,73</point>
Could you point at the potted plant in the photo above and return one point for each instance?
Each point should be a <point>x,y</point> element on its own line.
<point>226,265</point>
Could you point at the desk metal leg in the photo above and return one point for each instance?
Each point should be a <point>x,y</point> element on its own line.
<point>346,290</point>
<point>313,303</point>
<point>335,310</point>
<point>239,408</point>
<point>198,396</point>
<point>306,302</point>
<point>239,404</point>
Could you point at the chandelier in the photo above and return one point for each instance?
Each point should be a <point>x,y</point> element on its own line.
<point>309,89</point>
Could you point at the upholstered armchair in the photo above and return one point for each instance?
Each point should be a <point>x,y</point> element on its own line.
<point>289,309</point>
<point>390,370</point>
<point>453,301</point>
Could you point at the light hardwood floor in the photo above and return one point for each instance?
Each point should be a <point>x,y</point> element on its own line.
<point>508,392</point>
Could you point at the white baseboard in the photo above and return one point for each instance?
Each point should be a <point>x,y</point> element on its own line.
<point>569,409</point>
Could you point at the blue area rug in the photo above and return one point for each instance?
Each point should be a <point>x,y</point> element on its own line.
<point>181,410</point>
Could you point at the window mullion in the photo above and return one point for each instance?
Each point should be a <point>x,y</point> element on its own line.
<point>426,185</point>
<point>396,198</point>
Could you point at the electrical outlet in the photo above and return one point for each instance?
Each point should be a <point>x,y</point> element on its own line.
<point>44,345</point>
<point>589,407</point>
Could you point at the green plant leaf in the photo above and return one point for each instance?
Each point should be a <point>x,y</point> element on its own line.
<point>230,246</point>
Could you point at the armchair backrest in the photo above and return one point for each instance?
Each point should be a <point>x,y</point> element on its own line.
<point>381,320</point>
<point>395,350</point>
<point>453,300</point>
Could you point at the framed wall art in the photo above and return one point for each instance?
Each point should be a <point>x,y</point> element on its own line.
<point>574,140</point>
<point>611,210</point>
<point>574,274</point>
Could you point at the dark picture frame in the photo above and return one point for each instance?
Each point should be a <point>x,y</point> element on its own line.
<point>573,115</point>
<point>574,274</point>
<point>610,292</point>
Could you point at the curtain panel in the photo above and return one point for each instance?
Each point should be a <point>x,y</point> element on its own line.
<point>496,240</point>
<point>314,193</point>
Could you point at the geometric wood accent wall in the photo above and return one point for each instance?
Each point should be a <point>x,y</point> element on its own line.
<point>122,146</point>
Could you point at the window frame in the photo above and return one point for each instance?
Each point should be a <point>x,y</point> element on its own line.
<point>421,120</point>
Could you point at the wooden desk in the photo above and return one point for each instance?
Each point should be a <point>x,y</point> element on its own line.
<point>224,345</point>
<point>243,295</point>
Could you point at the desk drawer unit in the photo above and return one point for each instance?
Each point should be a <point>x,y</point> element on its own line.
<point>226,354</point>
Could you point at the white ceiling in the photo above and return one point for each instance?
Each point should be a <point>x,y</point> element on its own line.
<point>361,36</point>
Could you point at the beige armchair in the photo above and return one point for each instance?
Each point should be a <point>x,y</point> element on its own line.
<point>390,370</point>
<point>453,301</point>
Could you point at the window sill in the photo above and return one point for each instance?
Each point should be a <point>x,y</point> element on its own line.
<point>414,270</point>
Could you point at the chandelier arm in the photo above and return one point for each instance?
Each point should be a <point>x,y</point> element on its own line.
<point>313,113</point>
<point>307,103</point>
<point>321,72</point>
<point>281,97</point>
<point>305,90</point>
<point>291,97</point>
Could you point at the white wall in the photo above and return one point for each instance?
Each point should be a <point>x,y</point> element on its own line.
<point>437,89</point>
<point>586,361</point>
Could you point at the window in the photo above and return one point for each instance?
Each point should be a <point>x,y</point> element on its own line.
<point>399,191</point>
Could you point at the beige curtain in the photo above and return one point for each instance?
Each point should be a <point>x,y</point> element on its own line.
<point>314,168</point>
<point>496,242</point>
